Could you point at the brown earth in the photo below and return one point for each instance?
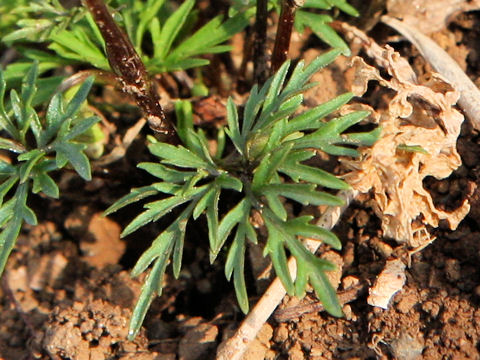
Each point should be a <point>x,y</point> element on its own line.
<point>67,294</point>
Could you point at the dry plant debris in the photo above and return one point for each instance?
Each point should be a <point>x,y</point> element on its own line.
<point>429,16</point>
<point>420,128</point>
<point>391,280</point>
<point>442,63</point>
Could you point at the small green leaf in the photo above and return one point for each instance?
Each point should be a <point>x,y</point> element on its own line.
<point>311,119</point>
<point>166,173</point>
<point>7,212</point>
<point>177,155</point>
<point>276,86</point>
<point>184,114</point>
<point>146,296</point>
<point>74,153</point>
<point>268,166</point>
<point>29,216</point>
<point>172,26</point>
<point>276,206</point>
<point>81,127</point>
<point>6,186</point>
<point>212,217</point>
<point>344,6</point>
<point>235,264</point>
<point>252,107</point>
<point>313,175</point>
<point>31,158</point>
<point>135,195</point>
<point>301,75</point>
<point>275,249</point>
<point>5,122</point>
<point>203,203</point>
<point>412,148</point>
<point>11,145</point>
<point>29,85</point>
<point>11,230</point>
<point>157,209</point>
<point>240,212</point>
<point>302,193</point>
<point>179,242</point>
<point>78,99</point>
<point>319,25</point>
<point>300,227</point>
<point>44,183</point>
<point>233,130</point>
<point>326,293</point>
<point>227,181</point>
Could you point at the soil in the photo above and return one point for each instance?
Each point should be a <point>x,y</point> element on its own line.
<point>67,292</point>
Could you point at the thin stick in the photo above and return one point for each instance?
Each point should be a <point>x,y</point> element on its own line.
<point>234,348</point>
<point>260,44</point>
<point>344,297</point>
<point>442,63</point>
<point>128,66</point>
<point>284,33</point>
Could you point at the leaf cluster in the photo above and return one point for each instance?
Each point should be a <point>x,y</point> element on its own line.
<point>265,168</point>
<point>162,35</point>
<point>35,147</point>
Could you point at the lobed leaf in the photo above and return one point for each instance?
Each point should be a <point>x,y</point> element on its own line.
<point>75,156</point>
<point>302,193</point>
<point>135,195</point>
<point>239,213</point>
<point>235,264</point>
<point>177,155</point>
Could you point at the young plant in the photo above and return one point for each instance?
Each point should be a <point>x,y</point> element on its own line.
<point>270,144</point>
<point>32,148</point>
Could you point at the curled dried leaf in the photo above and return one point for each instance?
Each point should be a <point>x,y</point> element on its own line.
<point>418,117</point>
<point>390,281</point>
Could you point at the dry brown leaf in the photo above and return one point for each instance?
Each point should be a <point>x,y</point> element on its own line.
<point>391,280</point>
<point>442,63</point>
<point>418,115</point>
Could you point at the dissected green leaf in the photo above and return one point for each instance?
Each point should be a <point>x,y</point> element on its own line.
<point>302,193</point>
<point>233,130</point>
<point>75,156</point>
<point>235,264</point>
<point>239,213</point>
<point>11,230</point>
<point>135,195</point>
<point>149,289</point>
<point>172,26</point>
<point>31,158</point>
<point>178,156</point>
<point>44,183</point>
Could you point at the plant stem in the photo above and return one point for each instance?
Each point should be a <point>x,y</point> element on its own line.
<point>127,65</point>
<point>284,32</point>
<point>260,45</point>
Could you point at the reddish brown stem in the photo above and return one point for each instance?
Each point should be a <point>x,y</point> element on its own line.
<point>284,32</point>
<point>128,66</point>
<point>260,44</point>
